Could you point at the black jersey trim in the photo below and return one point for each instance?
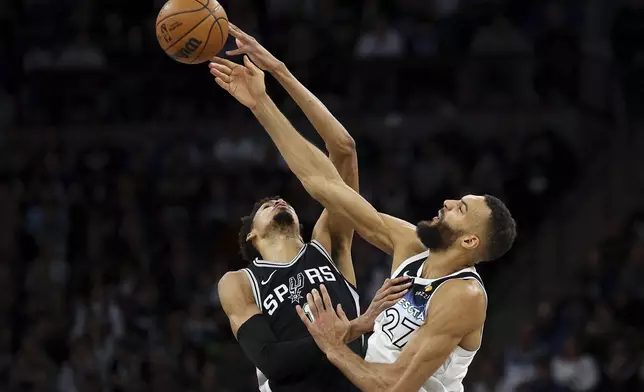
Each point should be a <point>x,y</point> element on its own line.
<point>255,286</point>
<point>321,249</point>
<point>271,264</point>
<point>409,261</point>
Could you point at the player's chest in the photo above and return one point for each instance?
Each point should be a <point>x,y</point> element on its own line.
<point>399,322</point>
<point>282,290</point>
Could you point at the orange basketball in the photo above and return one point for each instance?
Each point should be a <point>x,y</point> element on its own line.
<point>192,31</point>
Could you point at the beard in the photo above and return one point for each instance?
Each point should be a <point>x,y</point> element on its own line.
<point>283,221</point>
<point>436,236</point>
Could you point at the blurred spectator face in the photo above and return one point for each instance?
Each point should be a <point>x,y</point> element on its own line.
<point>274,217</point>
<point>99,298</point>
<point>555,16</point>
<point>190,364</point>
<point>542,370</point>
<point>82,355</point>
<point>570,349</point>
<point>114,24</point>
<point>209,377</point>
<point>135,40</point>
<point>149,295</point>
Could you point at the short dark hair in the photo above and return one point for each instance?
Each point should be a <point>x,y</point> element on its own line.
<point>501,230</point>
<point>246,248</point>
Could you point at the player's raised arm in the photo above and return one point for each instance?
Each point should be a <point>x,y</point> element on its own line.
<point>331,230</point>
<point>443,331</point>
<point>309,164</point>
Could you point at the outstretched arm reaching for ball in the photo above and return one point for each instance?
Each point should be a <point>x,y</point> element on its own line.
<point>331,230</point>
<point>312,167</point>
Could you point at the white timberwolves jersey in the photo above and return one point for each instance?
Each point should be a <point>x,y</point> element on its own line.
<point>397,325</point>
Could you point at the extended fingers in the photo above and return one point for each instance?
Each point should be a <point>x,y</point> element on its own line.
<point>222,84</point>
<point>326,297</point>
<point>303,317</point>
<point>313,308</point>
<point>225,62</point>
<point>236,31</point>
<point>219,73</point>
<point>318,300</point>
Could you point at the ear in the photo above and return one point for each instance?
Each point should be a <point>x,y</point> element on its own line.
<point>252,235</point>
<point>470,242</point>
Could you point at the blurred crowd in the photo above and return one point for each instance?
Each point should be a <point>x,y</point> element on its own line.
<point>110,251</point>
<point>66,61</point>
<point>591,339</point>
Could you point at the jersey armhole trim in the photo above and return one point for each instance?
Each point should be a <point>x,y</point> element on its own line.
<point>255,286</point>
<point>474,277</point>
<point>320,248</point>
<point>410,260</point>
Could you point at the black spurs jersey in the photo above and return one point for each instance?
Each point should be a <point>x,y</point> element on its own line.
<point>278,288</point>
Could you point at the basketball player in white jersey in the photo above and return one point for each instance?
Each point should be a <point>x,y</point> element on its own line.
<point>427,340</point>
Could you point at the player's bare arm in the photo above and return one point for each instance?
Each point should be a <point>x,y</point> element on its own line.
<point>280,359</point>
<point>331,230</point>
<point>446,327</point>
<point>312,167</point>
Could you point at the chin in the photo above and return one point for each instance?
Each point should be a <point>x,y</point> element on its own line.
<point>283,218</point>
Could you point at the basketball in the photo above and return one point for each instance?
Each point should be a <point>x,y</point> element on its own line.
<point>192,31</point>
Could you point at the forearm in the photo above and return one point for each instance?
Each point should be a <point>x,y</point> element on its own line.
<point>358,328</point>
<point>305,160</point>
<point>335,136</point>
<point>274,358</point>
<point>368,376</point>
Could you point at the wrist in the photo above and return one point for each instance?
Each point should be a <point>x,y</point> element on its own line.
<point>262,102</point>
<point>280,71</point>
<point>358,327</point>
<point>333,354</point>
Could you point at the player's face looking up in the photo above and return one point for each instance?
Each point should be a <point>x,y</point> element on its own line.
<point>460,223</point>
<point>275,217</point>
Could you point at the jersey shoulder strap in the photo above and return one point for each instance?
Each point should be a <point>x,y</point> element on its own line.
<point>254,284</point>
<point>318,246</point>
<point>411,266</point>
<point>464,275</point>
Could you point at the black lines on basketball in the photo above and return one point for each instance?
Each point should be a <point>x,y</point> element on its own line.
<point>187,32</point>
<point>221,31</point>
<point>205,45</point>
<point>183,12</point>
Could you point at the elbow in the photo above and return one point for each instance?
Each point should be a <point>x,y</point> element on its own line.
<point>272,371</point>
<point>345,146</point>
<point>318,187</point>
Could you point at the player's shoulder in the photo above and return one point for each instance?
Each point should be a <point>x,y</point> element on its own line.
<point>467,293</point>
<point>233,282</point>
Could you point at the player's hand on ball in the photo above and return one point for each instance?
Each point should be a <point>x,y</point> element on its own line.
<point>248,45</point>
<point>244,82</point>
<point>328,328</point>
<point>387,296</point>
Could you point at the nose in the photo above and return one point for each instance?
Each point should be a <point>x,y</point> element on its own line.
<point>449,204</point>
<point>280,202</point>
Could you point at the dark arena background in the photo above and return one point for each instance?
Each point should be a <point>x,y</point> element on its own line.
<point>124,175</point>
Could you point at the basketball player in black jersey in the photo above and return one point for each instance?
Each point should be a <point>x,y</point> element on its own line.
<point>260,300</point>
<point>465,232</point>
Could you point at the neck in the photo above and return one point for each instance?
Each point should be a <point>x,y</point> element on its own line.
<point>280,248</point>
<point>446,262</point>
